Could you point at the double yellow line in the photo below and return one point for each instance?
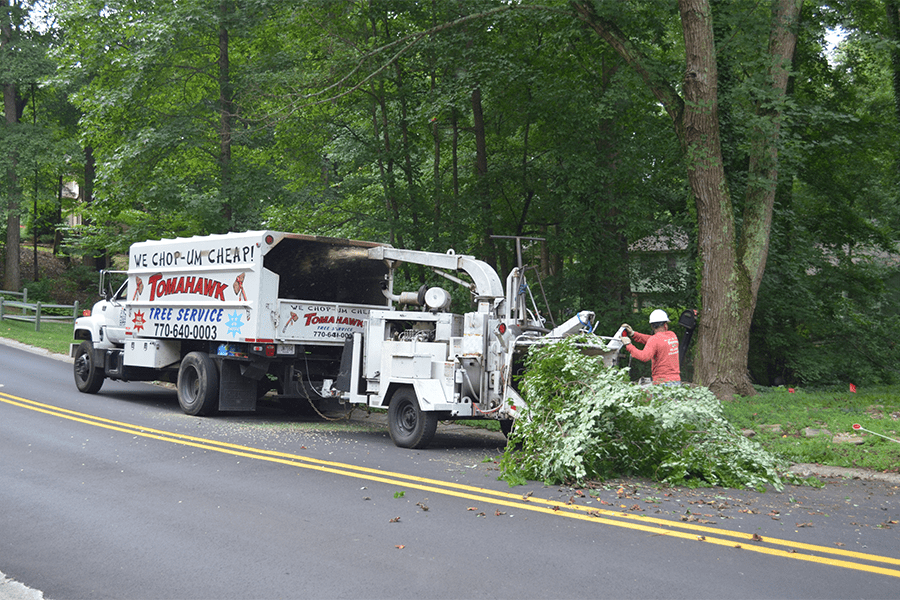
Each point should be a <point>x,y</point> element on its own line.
<point>837,557</point>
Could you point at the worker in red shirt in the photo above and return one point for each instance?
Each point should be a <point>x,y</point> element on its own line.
<point>661,348</point>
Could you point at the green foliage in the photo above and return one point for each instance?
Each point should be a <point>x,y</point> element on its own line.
<point>583,421</point>
<point>344,121</point>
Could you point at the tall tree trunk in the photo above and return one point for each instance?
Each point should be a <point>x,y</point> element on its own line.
<point>386,164</point>
<point>87,196</point>
<point>731,272</point>
<point>436,225</point>
<point>12,277</point>
<point>481,178</point>
<point>226,116</point>
<point>407,160</point>
<point>454,152</point>
<point>892,8</point>
<point>58,217</point>
<point>719,347</point>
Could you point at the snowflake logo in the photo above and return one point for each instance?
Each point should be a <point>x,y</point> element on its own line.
<point>138,320</point>
<point>234,324</point>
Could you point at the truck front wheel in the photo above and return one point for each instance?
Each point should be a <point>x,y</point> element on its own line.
<point>88,376</point>
<point>410,426</point>
<point>198,384</point>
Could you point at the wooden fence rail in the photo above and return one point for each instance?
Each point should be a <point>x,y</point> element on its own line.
<point>34,312</point>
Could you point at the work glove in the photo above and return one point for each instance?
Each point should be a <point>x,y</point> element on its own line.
<point>626,340</point>
<point>628,329</point>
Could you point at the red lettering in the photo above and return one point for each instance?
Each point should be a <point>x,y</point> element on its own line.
<point>309,317</point>
<point>211,288</point>
<point>153,281</point>
<point>220,291</point>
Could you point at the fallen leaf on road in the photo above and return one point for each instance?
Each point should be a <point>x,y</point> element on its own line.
<point>472,508</point>
<point>400,546</point>
<point>757,538</point>
<point>499,513</point>
<point>395,520</point>
<point>804,524</point>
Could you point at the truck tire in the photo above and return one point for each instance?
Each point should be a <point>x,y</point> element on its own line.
<point>198,384</point>
<point>409,425</point>
<point>88,376</point>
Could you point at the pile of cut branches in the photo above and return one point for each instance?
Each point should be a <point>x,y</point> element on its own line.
<point>584,421</point>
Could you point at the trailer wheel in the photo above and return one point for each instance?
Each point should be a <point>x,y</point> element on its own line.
<point>198,384</point>
<point>410,426</point>
<point>88,376</point>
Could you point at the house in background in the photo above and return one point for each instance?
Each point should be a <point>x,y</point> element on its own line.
<point>70,193</point>
<point>660,267</point>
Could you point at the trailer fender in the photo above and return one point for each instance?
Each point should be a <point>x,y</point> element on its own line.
<point>430,394</point>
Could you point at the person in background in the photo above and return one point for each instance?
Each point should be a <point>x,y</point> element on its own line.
<point>660,347</point>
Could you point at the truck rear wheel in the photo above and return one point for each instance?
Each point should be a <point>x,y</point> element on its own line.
<point>410,426</point>
<point>88,376</point>
<point>198,384</point>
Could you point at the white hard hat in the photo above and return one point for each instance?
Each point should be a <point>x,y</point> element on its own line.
<point>659,316</point>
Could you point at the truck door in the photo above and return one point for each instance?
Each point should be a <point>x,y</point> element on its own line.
<point>114,315</point>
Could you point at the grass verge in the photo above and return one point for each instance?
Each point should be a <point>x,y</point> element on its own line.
<point>816,426</point>
<point>54,337</point>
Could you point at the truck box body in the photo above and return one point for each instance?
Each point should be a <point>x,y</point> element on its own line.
<point>254,287</point>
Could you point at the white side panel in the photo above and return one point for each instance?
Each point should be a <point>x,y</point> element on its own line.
<point>320,323</point>
<point>431,395</point>
<point>154,354</point>
<point>473,335</point>
<point>207,288</point>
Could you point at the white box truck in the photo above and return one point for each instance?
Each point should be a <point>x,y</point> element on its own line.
<point>231,317</point>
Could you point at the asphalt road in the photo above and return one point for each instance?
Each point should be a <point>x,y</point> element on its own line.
<point>120,495</point>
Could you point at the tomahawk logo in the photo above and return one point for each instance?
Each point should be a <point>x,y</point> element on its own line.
<point>200,286</point>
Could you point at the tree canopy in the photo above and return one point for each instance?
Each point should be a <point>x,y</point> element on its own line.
<point>583,126</point>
